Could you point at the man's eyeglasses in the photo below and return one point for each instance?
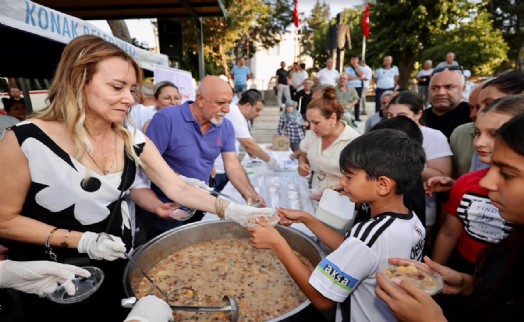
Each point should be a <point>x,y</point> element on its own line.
<point>441,69</point>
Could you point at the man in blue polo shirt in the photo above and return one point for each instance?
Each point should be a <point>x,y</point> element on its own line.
<point>240,74</point>
<point>192,135</point>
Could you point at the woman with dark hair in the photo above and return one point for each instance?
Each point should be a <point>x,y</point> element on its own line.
<point>494,292</point>
<point>166,94</point>
<point>328,135</point>
<point>435,144</point>
<point>506,84</point>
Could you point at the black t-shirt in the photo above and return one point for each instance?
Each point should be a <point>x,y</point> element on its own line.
<point>282,76</point>
<point>449,121</point>
<point>306,98</point>
<point>424,80</point>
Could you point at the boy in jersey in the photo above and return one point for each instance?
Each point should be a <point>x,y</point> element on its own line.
<point>378,167</point>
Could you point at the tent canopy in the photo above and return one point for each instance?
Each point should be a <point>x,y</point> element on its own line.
<point>34,37</point>
<point>126,9</point>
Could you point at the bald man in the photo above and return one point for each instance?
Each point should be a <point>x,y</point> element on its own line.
<point>192,135</point>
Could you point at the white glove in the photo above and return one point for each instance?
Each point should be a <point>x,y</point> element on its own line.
<point>272,164</point>
<point>39,277</point>
<point>246,215</point>
<point>101,246</point>
<point>150,309</point>
<point>195,183</point>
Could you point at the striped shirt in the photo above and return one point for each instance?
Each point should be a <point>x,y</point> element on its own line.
<point>347,275</point>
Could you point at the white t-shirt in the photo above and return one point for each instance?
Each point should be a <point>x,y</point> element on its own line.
<point>386,77</point>
<point>435,143</point>
<point>435,146</point>
<point>350,270</point>
<point>141,114</point>
<point>326,163</point>
<point>241,132</point>
<point>297,78</point>
<point>425,72</point>
<point>328,76</point>
<point>368,74</point>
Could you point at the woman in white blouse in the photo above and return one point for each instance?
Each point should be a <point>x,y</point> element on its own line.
<point>328,135</point>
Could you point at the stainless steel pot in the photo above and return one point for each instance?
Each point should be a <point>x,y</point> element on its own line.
<point>171,241</point>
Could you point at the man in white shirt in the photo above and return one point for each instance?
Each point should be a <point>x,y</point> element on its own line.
<point>386,78</point>
<point>247,109</point>
<point>366,79</point>
<point>450,61</point>
<point>327,75</point>
<point>297,78</point>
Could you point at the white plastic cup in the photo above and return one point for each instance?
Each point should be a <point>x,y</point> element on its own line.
<point>336,210</point>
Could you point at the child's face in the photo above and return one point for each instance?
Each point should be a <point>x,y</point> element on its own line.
<point>505,182</point>
<point>357,186</point>
<point>290,109</point>
<point>486,127</point>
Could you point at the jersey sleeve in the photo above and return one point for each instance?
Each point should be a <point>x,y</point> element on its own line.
<point>337,275</point>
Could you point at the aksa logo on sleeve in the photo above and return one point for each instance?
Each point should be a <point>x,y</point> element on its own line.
<point>337,275</point>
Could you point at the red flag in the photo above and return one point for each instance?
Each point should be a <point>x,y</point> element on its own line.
<point>295,14</point>
<point>365,22</point>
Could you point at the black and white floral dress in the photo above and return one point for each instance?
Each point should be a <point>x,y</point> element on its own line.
<point>58,197</point>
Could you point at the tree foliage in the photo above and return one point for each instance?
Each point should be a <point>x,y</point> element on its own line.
<point>508,16</point>
<point>314,34</point>
<point>251,23</point>
<point>414,30</point>
<point>477,46</point>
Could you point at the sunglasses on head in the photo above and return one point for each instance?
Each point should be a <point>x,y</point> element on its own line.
<point>441,69</point>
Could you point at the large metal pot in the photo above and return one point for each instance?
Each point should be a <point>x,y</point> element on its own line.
<point>171,241</point>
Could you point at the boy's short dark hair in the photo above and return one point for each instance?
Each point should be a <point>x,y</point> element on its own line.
<point>385,152</point>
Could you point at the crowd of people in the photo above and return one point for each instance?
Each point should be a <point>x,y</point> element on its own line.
<point>435,178</point>
<point>459,197</point>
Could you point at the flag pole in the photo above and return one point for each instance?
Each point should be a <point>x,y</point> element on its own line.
<point>365,30</point>
<point>364,48</point>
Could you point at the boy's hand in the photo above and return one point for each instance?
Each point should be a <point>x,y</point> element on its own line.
<point>290,216</point>
<point>264,236</point>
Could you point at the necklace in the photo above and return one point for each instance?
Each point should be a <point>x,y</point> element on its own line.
<point>105,171</point>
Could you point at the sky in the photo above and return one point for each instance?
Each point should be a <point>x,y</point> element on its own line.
<point>142,29</point>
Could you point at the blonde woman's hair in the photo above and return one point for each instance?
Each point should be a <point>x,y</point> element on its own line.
<point>67,99</point>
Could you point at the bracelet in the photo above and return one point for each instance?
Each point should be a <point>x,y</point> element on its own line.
<point>47,244</point>
<point>219,208</point>
<point>64,243</point>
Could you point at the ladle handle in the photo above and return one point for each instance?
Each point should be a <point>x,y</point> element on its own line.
<point>147,277</point>
<point>164,294</point>
<point>202,308</point>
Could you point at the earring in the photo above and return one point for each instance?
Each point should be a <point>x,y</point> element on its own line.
<point>332,124</point>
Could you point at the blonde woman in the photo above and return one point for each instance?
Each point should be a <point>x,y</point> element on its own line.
<point>66,170</point>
